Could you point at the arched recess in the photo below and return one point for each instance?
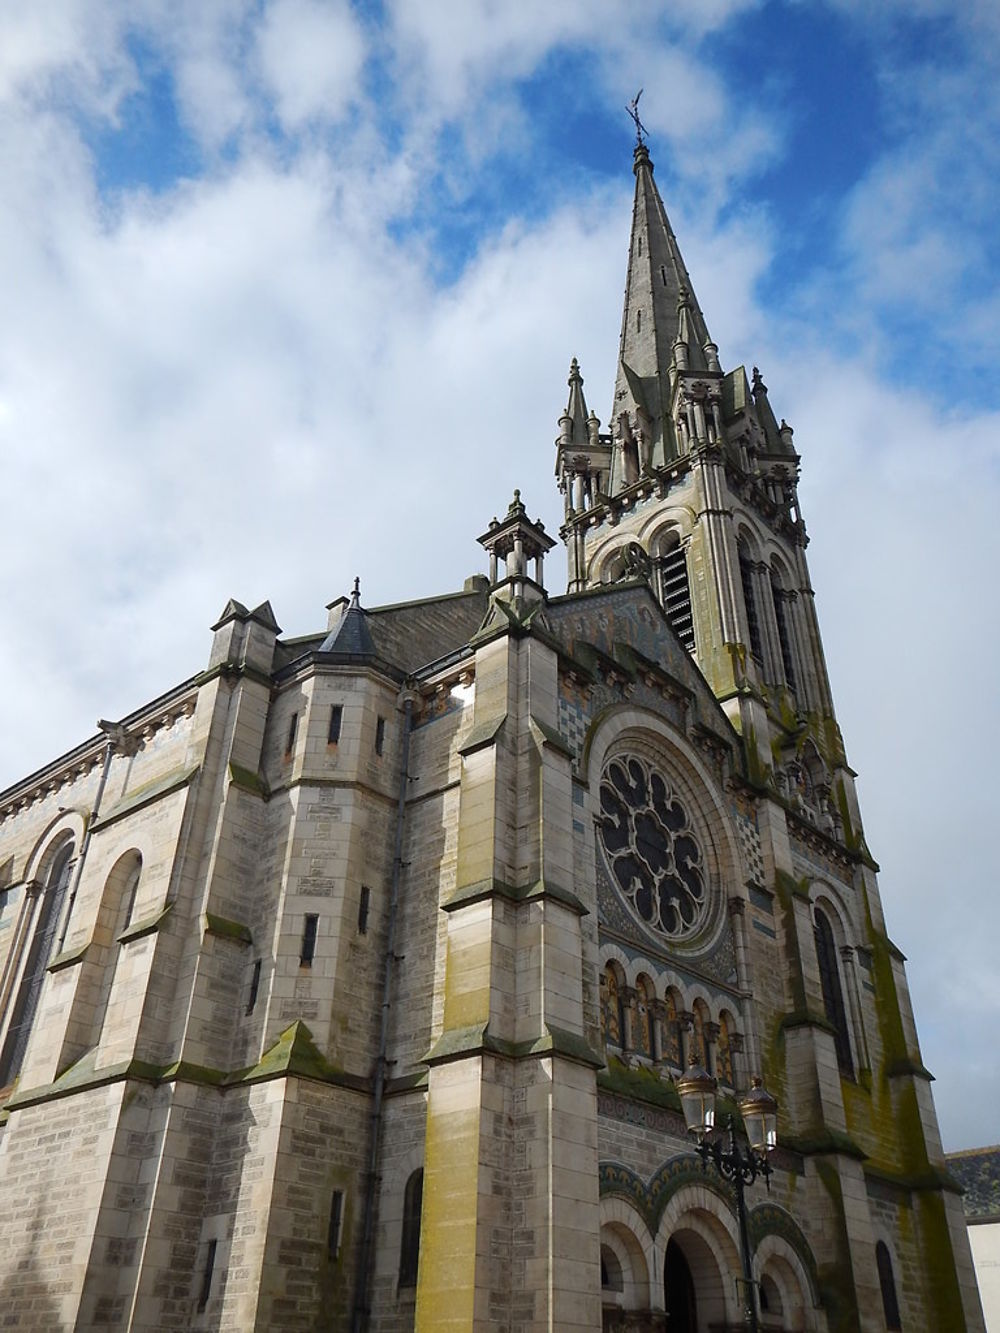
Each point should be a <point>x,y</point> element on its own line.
<point>700,1224</point>
<point>783,1257</point>
<point>97,974</point>
<point>624,1265</point>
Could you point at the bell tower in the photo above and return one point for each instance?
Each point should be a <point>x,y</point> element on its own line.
<point>693,488</point>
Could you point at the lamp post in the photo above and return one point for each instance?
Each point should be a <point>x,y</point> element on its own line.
<point>740,1166</point>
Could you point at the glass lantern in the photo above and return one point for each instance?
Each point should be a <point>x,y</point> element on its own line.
<point>760,1118</point>
<point>697,1094</point>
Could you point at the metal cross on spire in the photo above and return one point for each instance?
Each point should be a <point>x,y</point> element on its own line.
<point>633,110</point>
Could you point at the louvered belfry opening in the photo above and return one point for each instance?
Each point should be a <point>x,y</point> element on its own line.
<point>677,595</point>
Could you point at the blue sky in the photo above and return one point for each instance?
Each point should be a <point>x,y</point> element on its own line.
<point>290,293</point>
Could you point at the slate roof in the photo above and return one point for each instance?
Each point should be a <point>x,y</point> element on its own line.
<point>978,1173</point>
<point>408,635</point>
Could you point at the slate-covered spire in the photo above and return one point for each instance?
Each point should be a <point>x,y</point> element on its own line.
<point>351,635</point>
<point>662,325</point>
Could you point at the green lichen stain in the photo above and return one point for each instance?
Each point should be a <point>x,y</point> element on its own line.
<point>836,1279</point>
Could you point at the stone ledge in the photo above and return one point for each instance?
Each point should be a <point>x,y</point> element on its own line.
<point>513,893</point>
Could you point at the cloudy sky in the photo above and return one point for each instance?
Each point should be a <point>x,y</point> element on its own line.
<point>289,294</point>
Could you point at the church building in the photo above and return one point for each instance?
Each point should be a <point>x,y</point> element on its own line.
<point>352,984</point>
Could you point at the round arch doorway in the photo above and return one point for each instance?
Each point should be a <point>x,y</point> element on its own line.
<point>678,1291</point>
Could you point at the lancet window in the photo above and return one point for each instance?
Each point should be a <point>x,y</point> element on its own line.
<point>23,1015</point>
<point>643,1026</point>
<point>750,601</point>
<point>612,1017</point>
<point>833,991</point>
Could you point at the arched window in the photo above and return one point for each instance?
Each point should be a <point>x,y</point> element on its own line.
<point>675,593</point>
<point>724,1053</point>
<point>409,1246</point>
<point>750,601</point>
<point>612,1018</point>
<point>671,1032</point>
<point>833,993</point>
<point>644,996</point>
<point>890,1305</point>
<point>49,912</point>
<point>698,1035</point>
<point>782,616</point>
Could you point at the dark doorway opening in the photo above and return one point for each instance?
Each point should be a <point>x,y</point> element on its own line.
<point>678,1284</point>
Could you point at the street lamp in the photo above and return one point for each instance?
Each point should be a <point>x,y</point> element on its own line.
<point>740,1166</point>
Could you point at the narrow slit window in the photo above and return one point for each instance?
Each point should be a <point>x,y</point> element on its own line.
<point>254,986</point>
<point>293,726</point>
<point>131,889</point>
<point>663,274</point>
<point>890,1303</point>
<point>380,735</point>
<point>206,1277</point>
<point>639,244</point>
<point>409,1248</point>
<point>638,321</point>
<point>308,950</point>
<point>336,1222</point>
<point>336,716</point>
<point>363,905</point>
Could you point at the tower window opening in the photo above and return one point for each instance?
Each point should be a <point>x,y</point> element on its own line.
<point>639,244</point>
<point>753,619</point>
<point>363,905</point>
<point>131,891</point>
<point>336,1222</point>
<point>890,1304</point>
<point>409,1247</point>
<point>780,598</point>
<point>254,986</point>
<point>676,593</point>
<point>336,716</point>
<point>308,950</point>
<point>206,1277</point>
<point>293,726</point>
<point>638,321</point>
<point>380,735</point>
<point>663,274</point>
<point>833,994</point>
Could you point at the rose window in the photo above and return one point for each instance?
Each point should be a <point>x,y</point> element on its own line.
<point>652,852</point>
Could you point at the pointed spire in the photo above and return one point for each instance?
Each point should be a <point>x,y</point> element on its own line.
<point>351,635</point>
<point>582,457</point>
<point>573,424</point>
<point>662,323</point>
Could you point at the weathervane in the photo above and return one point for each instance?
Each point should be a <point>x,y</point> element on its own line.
<point>633,110</point>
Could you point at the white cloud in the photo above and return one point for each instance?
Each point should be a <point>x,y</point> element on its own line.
<point>312,55</point>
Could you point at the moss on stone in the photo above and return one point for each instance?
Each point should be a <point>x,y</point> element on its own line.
<point>226,929</point>
<point>247,780</point>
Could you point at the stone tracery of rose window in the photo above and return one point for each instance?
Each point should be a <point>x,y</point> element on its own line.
<point>652,852</point>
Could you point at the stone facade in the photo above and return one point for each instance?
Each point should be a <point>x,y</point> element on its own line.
<point>347,985</point>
